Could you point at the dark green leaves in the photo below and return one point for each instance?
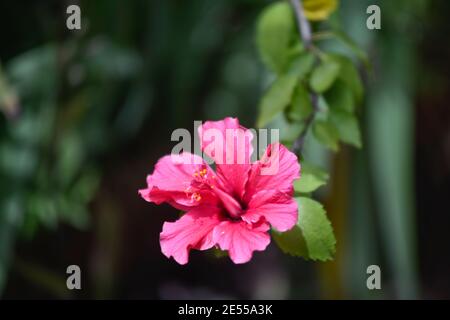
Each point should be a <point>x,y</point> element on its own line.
<point>338,120</point>
<point>327,134</point>
<point>347,127</point>
<point>273,35</point>
<point>314,91</point>
<point>350,76</point>
<point>340,97</point>
<point>347,41</point>
<point>312,237</point>
<point>276,99</point>
<point>301,106</point>
<point>324,75</point>
<point>301,65</point>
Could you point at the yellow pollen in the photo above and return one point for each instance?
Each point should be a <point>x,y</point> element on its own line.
<point>196,197</point>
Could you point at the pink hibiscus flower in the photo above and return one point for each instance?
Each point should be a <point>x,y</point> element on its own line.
<point>231,208</point>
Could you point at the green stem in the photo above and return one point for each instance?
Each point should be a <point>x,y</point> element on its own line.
<point>323,35</point>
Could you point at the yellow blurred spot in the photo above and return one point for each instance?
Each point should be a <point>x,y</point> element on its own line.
<point>316,10</point>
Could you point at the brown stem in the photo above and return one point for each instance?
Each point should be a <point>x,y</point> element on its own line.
<point>304,29</point>
<point>300,141</point>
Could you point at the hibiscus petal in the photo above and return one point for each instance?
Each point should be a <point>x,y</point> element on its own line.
<point>171,182</point>
<point>241,239</point>
<point>192,231</point>
<point>230,146</point>
<point>278,208</point>
<point>277,170</point>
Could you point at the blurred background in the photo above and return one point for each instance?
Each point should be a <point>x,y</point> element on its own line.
<point>85,114</point>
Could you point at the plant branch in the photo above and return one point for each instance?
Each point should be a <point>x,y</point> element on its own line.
<point>297,147</point>
<point>323,35</point>
<point>302,23</point>
<point>306,37</point>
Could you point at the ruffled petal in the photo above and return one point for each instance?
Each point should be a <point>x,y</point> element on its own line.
<point>278,208</point>
<point>277,170</point>
<point>241,239</point>
<point>230,146</point>
<point>174,181</point>
<point>194,230</point>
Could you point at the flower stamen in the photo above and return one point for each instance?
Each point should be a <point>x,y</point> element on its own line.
<point>196,197</point>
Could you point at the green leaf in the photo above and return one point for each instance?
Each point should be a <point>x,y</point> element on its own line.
<point>324,75</point>
<point>84,188</point>
<point>25,71</point>
<point>350,76</point>
<point>70,157</point>
<point>292,242</point>
<point>301,106</point>
<point>327,134</point>
<point>312,177</point>
<point>295,49</point>
<point>274,31</point>
<point>316,229</point>
<point>276,99</point>
<point>289,131</point>
<point>347,126</point>
<point>340,97</point>
<point>112,61</point>
<point>360,53</point>
<point>312,237</point>
<point>301,65</point>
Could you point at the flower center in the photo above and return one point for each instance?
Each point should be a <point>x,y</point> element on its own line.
<point>203,180</point>
<point>232,206</point>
